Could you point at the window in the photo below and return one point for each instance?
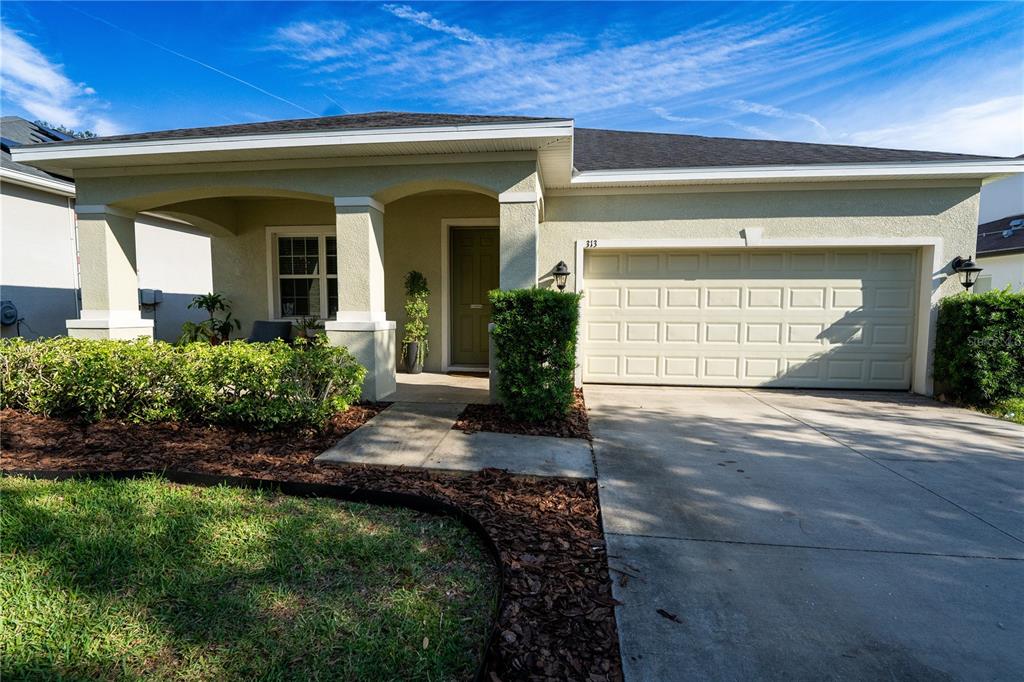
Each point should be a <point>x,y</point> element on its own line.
<point>307,275</point>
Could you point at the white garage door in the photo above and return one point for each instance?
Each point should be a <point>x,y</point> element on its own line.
<point>832,318</point>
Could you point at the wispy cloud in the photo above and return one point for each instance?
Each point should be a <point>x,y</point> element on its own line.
<point>775,112</point>
<point>40,87</point>
<point>426,20</point>
<point>561,73</point>
<point>777,75</point>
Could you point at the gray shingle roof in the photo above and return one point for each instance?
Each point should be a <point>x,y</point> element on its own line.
<point>594,149</point>
<point>16,131</point>
<point>991,241</point>
<point>613,149</point>
<point>368,121</point>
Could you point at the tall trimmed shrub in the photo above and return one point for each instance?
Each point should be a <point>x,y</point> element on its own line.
<point>535,347</point>
<point>260,385</point>
<point>979,347</point>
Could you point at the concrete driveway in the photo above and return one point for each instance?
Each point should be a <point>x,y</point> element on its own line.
<point>759,534</point>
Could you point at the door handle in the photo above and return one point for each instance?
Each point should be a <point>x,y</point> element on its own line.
<point>476,305</point>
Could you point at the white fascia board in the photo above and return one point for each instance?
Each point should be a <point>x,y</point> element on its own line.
<point>16,177</point>
<point>506,131</point>
<point>975,169</point>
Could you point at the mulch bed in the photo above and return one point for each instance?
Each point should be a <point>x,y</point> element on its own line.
<point>478,417</point>
<point>556,620</point>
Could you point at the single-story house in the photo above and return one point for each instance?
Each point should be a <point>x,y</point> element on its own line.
<point>703,260</point>
<point>39,274</point>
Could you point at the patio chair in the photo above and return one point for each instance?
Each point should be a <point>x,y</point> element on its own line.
<point>265,331</point>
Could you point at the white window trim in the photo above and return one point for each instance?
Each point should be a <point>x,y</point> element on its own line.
<point>446,230</point>
<point>932,272</point>
<point>275,231</point>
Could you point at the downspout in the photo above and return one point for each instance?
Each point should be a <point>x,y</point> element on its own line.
<point>75,264</point>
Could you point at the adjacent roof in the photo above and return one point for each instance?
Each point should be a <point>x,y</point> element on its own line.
<point>991,241</point>
<point>369,121</point>
<point>613,149</point>
<point>16,131</point>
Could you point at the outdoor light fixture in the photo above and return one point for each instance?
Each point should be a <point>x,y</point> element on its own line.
<point>561,273</point>
<point>968,271</point>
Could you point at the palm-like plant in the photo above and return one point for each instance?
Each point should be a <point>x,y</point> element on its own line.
<point>214,329</point>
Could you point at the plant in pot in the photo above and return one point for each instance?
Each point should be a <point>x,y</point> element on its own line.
<point>214,329</point>
<point>308,327</point>
<point>417,310</point>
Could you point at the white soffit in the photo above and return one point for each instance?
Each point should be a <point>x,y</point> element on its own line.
<point>932,170</point>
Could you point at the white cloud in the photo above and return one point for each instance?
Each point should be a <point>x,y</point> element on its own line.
<point>663,113</point>
<point>426,20</point>
<point>994,126</point>
<point>44,91</point>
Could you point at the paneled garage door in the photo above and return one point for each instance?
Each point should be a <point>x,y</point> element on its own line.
<point>832,318</point>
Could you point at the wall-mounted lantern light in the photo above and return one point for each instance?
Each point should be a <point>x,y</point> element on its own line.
<point>561,273</point>
<point>968,271</point>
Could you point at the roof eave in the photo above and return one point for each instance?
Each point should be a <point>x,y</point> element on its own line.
<point>797,173</point>
<point>51,185</point>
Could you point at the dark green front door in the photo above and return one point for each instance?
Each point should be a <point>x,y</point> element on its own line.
<point>474,272</point>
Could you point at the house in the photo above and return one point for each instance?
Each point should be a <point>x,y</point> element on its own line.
<point>1000,248</point>
<point>39,276</point>
<point>704,261</point>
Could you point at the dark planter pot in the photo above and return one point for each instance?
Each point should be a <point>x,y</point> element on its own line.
<point>412,358</point>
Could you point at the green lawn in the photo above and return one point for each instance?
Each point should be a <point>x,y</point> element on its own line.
<point>132,579</point>
<point>1011,409</point>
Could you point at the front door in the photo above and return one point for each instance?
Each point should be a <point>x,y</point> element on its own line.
<point>474,272</point>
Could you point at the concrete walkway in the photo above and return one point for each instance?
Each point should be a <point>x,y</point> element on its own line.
<point>417,432</point>
<point>792,535</point>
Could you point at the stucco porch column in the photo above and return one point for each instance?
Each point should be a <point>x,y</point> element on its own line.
<point>518,214</point>
<point>109,276</point>
<point>362,325</point>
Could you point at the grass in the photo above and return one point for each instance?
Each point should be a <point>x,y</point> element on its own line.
<point>122,580</point>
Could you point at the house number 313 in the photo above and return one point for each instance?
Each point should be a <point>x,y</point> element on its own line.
<point>591,243</point>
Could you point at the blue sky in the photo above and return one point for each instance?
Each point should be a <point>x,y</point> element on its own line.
<point>947,76</point>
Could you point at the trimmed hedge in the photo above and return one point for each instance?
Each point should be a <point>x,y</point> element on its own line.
<point>261,385</point>
<point>979,348</point>
<point>535,343</point>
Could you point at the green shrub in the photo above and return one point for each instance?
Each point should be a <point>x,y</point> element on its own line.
<point>979,347</point>
<point>535,344</point>
<point>262,385</point>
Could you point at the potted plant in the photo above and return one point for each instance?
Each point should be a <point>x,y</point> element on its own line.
<point>214,329</point>
<point>308,327</point>
<point>417,310</point>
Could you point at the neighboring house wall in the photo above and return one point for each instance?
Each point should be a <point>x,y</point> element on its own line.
<point>38,259</point>
<point>1001,272</point>
<point>1002,198</point>
<point>176,259</point>
<point>38,264</point>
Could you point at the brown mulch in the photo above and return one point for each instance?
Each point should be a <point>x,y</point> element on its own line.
<point>556,620</point>
<point>477,417</point>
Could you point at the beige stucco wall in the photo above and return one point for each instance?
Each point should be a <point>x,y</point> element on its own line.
<point>412,241</point>
<point>949,213</point>
<point>240,260</point>
<point>142,190</point>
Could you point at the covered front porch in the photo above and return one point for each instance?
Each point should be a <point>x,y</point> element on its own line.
<point>284,253</point>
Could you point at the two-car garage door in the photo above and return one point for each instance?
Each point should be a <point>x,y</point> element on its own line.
<point>837,318</point>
